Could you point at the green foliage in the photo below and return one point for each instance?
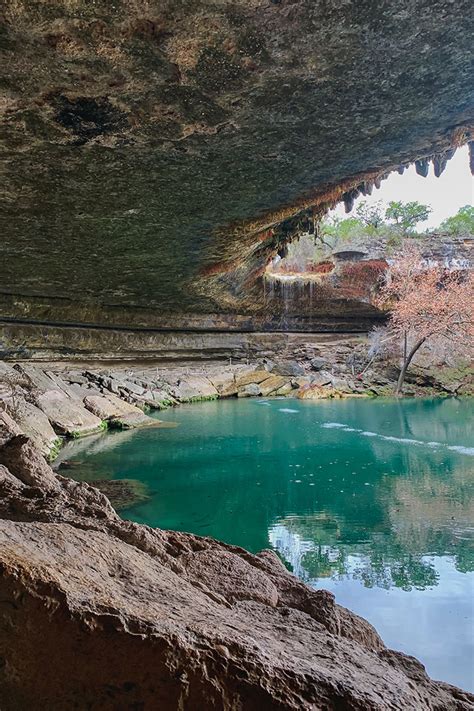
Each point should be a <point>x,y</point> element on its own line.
<point>341,228</point>
<point>460,223</point>
<point>406,215</point>
<point>55,449</point>
<point>371,216</point>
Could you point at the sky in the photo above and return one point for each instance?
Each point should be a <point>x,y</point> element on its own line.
<point>446,194</point>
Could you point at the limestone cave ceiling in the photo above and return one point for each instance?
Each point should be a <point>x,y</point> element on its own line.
<point>156,153</point>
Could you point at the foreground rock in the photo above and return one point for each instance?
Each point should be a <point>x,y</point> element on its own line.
<point>100,613</point>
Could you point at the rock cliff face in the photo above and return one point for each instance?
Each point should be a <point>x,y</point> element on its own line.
<point>157,154</point>
<point>101,613</point>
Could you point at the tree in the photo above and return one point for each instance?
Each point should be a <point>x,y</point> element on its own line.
<point>460,223</point>
<point>371,215</point>
<point>427,304</point>
<point>335,228</point>
<point>406,215</point>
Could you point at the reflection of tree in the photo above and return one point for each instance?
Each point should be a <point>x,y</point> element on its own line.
<point>375,569</point>
<point>465,560</point>
<point>426,512</point>
<point>381,562</point>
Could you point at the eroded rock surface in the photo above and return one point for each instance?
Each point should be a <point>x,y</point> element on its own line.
<point>156,154</point>
<point>100,613</point>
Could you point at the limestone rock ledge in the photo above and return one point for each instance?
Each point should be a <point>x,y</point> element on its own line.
<point>101,613</point>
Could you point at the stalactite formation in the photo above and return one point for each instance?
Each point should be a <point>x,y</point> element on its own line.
<point>152,166</point>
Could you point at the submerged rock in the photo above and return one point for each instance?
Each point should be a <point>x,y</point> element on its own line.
<point>103,614</point>
<point>122,493</point>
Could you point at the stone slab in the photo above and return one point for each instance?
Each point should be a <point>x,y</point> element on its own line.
<point>254,376</point>
<point>193,387</point>
<point>67,415</point>
<point>272,384</point>
<point>116,411</point>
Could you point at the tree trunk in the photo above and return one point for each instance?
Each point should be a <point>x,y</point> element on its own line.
<point>406,362</point>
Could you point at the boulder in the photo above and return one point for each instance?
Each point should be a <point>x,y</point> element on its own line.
<point>285,389</point>
<point>272,384</point>
<point>132,387</point>
<point>67,415</point>
<point>8,428</point>
<point>194,387</point>
<point>301,382</point>
<point>75,378</point>
<point>249,390</point>
<point>129,617</point>
<point>162,399</point>
<point>224,382</point>
<point>253,376</point>
<point>322,378</point>
<point>318,363</point>
<point>117,412</point>
<point>63,408</point>
<point>290,367</point>
<point>317,392</point>
<point>34,423</point>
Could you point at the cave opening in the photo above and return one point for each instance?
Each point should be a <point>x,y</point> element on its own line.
<point>342,255</point>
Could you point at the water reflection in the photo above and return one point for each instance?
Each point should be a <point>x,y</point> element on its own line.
<point>429,511</point>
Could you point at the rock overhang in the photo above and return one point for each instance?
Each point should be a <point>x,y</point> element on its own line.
<point>157,155</point>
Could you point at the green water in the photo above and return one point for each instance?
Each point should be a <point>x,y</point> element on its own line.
<point>372,499</point>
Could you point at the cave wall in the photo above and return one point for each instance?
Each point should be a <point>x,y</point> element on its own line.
<point>155,155</point>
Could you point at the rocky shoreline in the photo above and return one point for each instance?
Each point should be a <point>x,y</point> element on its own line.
<point>54,402</point>
<point>101,613</point>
